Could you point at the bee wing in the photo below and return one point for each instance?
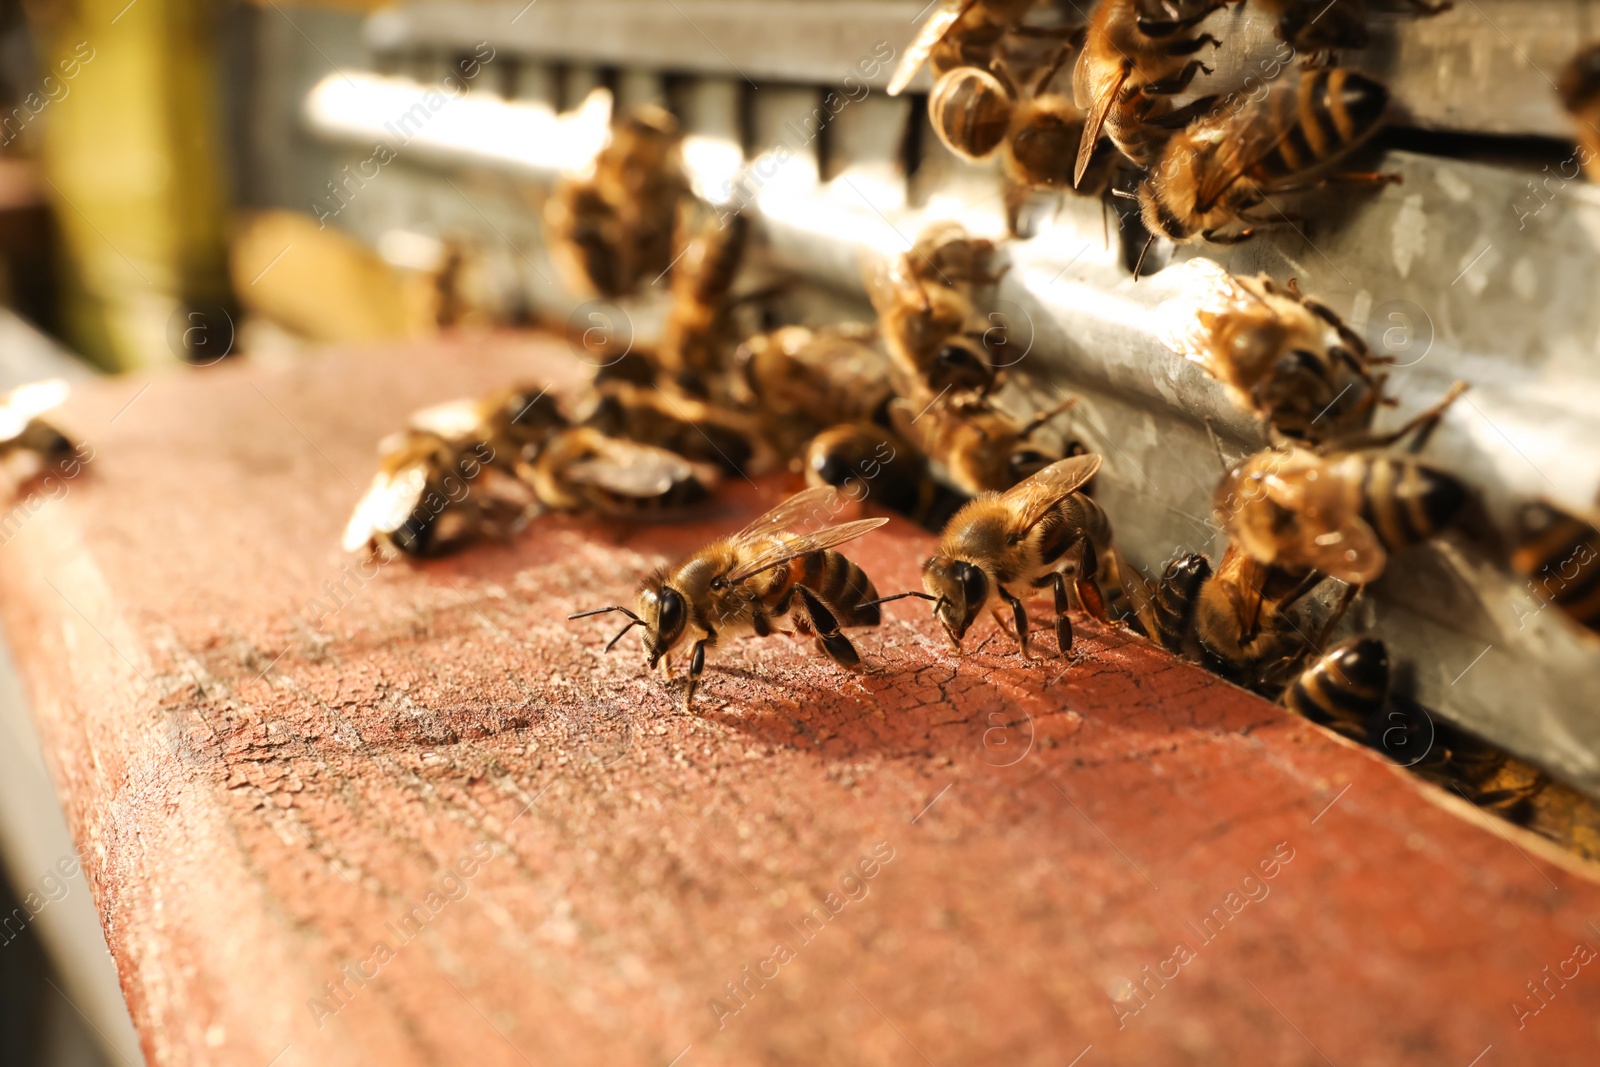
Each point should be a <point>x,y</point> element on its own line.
<point>785,549</point>
<point>452,419</point>
<point>1352,553</point>
<point>631,469</point>
<point>807,503</point>
<point>1242,142</point>
<point>24,403</point>
<point>1098,106</point>
<point>1033,497</point>
<point>384,507</point>
<point>932,32</point>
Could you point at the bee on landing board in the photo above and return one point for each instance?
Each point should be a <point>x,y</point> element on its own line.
<point>744,582</point>
<point>803,379</point>
<point>583,470</point>
<point>981,448</point>
<point>1341,513</point>
<point>1346,689</point>
<point>612,231</point>
<point>1001,547</point>
<point>871,464</point>
<point>24,431</point>
<point>1135,58</point>
<point>1289,359</point>
<point>1212,175</point>
<point>697,431</point>
<point>433,496</point>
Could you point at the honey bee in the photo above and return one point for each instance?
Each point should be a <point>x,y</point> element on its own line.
<point>613,231</point>
<point>514,422</point>
<point>801,379</point>
<point>960,33</point>
<point>1134,59</point>
<point>1343,514</point>
<point>697,336</point>
<point>924,327</point>
<point>1558,549</point>
<point>697,431</point>
<point>584,470</point>
<point>742,583</point>
<point>1346,689</point>
<point>1213,173</point>
<point>24,431</point>
<point>869,463</point>
<point>1024,539</point>
<point>1245,615</point>
<point>1287,358</point>
<point>433,496</point>
<point>1166,608</point>
<point>981,448</point>
<point>1579,87</point>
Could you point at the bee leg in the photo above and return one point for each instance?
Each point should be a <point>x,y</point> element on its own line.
<point>697,666</point>
<point>1020,614</point>
<point>835,644</point>
<point>1180,81</point>
<point>1218,238</point>
<point>1088,588</point>
<point>1063,623</point>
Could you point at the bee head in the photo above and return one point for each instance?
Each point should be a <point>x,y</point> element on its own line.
<point>960,590</point>
<point>665,616</point>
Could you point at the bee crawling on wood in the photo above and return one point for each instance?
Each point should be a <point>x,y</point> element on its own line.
<point>744,582</point>
<point>1023,540</point>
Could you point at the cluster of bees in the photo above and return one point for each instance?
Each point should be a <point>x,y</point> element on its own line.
<point>904,412</point>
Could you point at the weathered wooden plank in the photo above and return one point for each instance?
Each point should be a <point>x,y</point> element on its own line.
<point>561,867</point>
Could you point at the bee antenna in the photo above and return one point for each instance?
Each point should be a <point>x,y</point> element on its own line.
<point>1145,251</point>
<point>625,629</point>
<point>901,596</point>
<point>602,611</point>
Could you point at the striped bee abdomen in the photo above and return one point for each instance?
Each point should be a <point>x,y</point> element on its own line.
<point>1176,597</point>
<point>1344,690</point>
<point>970,110</point>
<point>1406,502</point>
<point>1330,112</point>
<point>1560,554</point>
<point>841,585</point>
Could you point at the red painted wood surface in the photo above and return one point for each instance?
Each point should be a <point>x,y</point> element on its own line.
<point>266,788</point>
